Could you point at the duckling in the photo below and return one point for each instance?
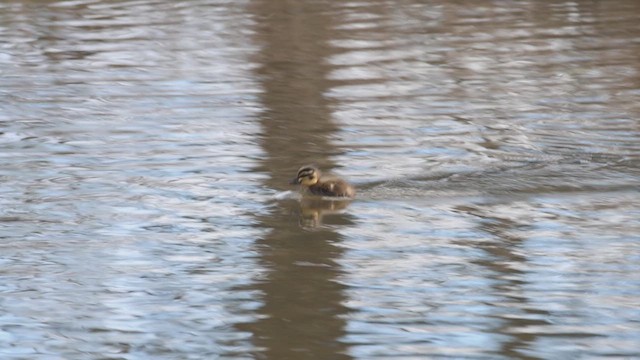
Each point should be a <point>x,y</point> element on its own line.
<point>312,182</point>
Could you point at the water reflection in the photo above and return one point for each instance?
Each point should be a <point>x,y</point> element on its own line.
<point>303,303</point>
<point>318,212</point>
<point>505,258</point>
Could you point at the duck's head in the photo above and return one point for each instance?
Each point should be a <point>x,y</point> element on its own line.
<point>307,176</point>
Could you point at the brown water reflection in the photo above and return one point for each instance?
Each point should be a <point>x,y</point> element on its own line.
<point>303,302</point>
<point>504,259</point>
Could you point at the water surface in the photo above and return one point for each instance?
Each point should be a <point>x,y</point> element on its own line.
<point>146,146</point>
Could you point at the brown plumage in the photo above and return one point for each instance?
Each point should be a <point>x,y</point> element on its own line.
<point>309,177</point>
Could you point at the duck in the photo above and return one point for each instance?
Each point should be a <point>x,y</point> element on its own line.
<point>311,181</point>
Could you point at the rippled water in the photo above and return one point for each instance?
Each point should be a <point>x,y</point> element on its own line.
<point>145,149</point>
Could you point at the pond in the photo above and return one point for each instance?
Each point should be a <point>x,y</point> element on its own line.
<point>146,149</point>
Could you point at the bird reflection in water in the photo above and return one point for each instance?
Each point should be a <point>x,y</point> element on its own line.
<point>318,211</point>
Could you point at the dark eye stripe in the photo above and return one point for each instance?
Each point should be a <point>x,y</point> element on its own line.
<point>306,172</point>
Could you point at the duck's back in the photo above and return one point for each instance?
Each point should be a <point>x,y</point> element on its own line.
<point>332,187</point>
